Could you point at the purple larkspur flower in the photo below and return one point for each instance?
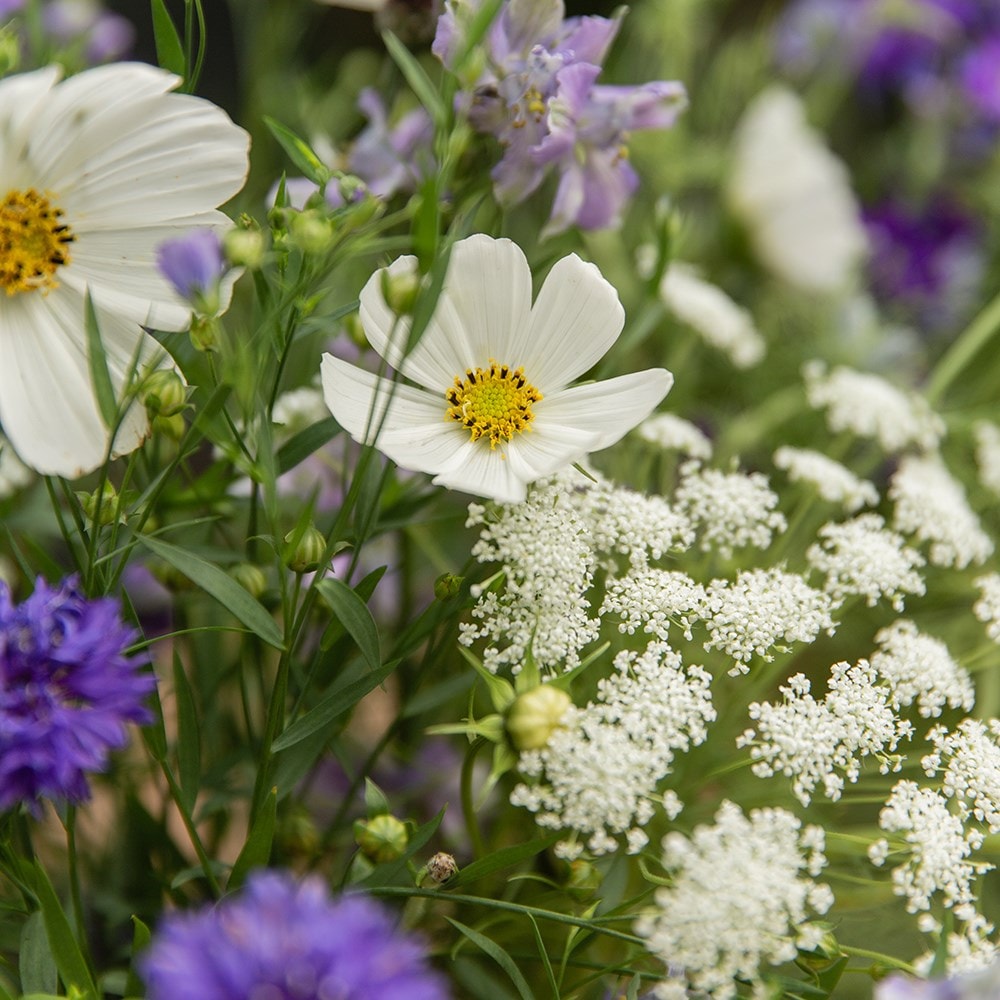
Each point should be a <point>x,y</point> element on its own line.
<point>67,690</point>
<point>194,265</point>
<point>287,940</point>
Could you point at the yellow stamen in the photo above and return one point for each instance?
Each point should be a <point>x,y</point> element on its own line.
<point>494,402</point>
<point>34,242</point>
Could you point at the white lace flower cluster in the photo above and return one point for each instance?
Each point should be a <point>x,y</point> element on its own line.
<point>653,599</point>
<point>824,742</point>
<point>672,433</point>
<point>870,407</point>
<point>732,510</point>
<point>987,437</point>
<point>970,949</point>
<point>937,846</point>
<point>931,504</point>
<point>761,608</point>
<point>861,557</point>
<point>833,481</point>
<point>987,608</point>
<point>597,776</point>
<point>739,901</point>
<point>969,761</point>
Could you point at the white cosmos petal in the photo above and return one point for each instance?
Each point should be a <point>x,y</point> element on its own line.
<point>575,320</point>
<point>485,472</point>
<point>608,409</point>
<point>20,97</point>
<point>482,313</point>
<point>47,404</point>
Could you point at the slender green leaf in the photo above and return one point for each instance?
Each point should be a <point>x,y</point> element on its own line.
<point>36,965</point>
<point>140,941</point>
<point>354,615</point>
<point>506,857</point>
<point>291,765</point>
<point>302,445</point>
<point>221,586</point>
<point>4,995</point>
<point>417,78</point>
<point>97,359</point>
<point>498,955</point>
<point>341,699</point>
<point>169,50</point>
<point>186,875</point>
<point>69,959</point>
<point>364,589</point>
<point>546,961</point>
<point>299,152</point>
<point>376,804</point>
<point>257,850</point>
<point>188,736</point>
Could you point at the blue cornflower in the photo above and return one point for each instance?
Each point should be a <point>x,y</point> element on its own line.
<point>287,940</point>
<point>67,689</point>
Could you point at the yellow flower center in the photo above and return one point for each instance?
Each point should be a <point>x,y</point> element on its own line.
<point>34,242</point>
<point>494,402</point>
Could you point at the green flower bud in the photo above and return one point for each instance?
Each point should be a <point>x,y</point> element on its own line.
<point>356,332</point>
<point>101,505</point>
<point>381,838</point>
<point>244,248</point>
<point>297,834</point>
<point>163,393</point>
<point>308,553</point>
<point>251,578</point>
<point>584,879</point>
<point>172,427</point>
<point>536,715</point>
<point>311,232</point>
<point>438,870</point>
<point>10,51</point>
<point>447,585</point>
<point>204,333</point>
<point>400,291</point>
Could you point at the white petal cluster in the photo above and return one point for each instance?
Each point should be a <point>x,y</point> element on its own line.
<point>987,608</point>
<point>653,599</point>
<point>739,901</point>
<point>823,743</point>
<point>794,196</point>
<point>14,474</point>
<point>672,433</point>
<point>870,407</point>
<point>861,557</point>
<point>710,312</point>
<point>833,481</point>
<point>972,957</point>
<point>988,454</point>
<point>543,547</point>
<point>938,847</point>
<point>931,504</point>
<point>920,668</point>
<point>969,762</point>
<point>597,775</point>
<point>731,509</point>
<point>748,617</point>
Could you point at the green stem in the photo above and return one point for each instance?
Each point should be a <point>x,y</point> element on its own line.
<point>973,339</point>
<point>186,818</point>
<point>74,879</point>
<point>895,963</point>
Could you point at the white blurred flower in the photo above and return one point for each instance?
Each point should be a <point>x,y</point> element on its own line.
<point>969,761</point>
<point>794,196</point>
<point>14,474</point>
<point>988,454</point>
<point>673,433</point>
<point>833,481</point>
<point>98,170</point>
<point>987,608</point>
<point>493,409</point>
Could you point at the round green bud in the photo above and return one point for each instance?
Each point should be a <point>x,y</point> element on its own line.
<point>244,248</point>
<point>308,553</point>
<point>172,427</point>
<point>381,838</point>
<point>310,232</point>
<point>535,715</point>
<point>441,867</point>
<point>447,585</point>
<point>400,291</point>
<point>163,393</point>
<point>204,333</point>
<point>584,879</point>
<point>250,577</point>
<point>101,505</point>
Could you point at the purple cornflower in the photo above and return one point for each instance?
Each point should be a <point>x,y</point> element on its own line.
<point>285,940</point>
<point>539,98</point>
<point>194,265</point>
<point>105,36</point>
<point>67,689</point>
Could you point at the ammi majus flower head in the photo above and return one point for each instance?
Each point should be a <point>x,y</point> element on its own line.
<point>492,408</point>
<point>95,172</point>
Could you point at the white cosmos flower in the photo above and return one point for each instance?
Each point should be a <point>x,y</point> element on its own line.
<point>95,172</point>
<point>493,409</point>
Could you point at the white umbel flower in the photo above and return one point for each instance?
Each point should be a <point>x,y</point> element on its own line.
<point>493,409</point>
<point>988,454</point>
<point>95,172</point>
<point>794,196</point>
<point>970,761</point>
<point>675,434</point>
<point>833,481</point>
<point>987,608</point>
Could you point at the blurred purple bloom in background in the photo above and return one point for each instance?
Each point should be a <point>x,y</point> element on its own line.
<point>288,941</point>
<point>104,36</point>
<point>193,264</point>
<point>8,7</point>
<point>982,984</point>
<point>67,690</point>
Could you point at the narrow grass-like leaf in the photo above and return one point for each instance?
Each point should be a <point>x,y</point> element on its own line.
<point>169,50</point>
<point>339,701</point>
<point>140,941</point>
<point>546,961</point>
<point>302,445</point>
<point>498,955</point>
<point>68,958</point>
<point>299,152</point>
<point>257,850</point>
<point>35,963</point>
<point>221,586</point>
<point>364,589</point>
<point>417,78</point>
<point>506,857</point>
<point>97,359</point>
<point>188,736</point>
<point>354,615</point>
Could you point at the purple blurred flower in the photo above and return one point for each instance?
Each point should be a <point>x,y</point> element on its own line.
<point>67,689</point>
<point>538,97</point>
<point>927,263</point>
<point>105,36</point>
<point>288,941</point>
<point>193,264</point>
<point>979,75</point>
<point>10,7</point>
<point>982,984</point>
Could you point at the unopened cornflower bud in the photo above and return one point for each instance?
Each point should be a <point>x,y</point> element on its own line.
<point>381,838</point>
<point>244,247</point>
<point>163,393</point>
<point>308,552</point>
<point>193,264</point>
<point>101,505</point>
<point>438,870</point>
<point>250,577</point>
<point>447,585</point>
<point>535,715</point>
<point>400,291</point>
